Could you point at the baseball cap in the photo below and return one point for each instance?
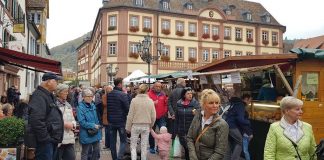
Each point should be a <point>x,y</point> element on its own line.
<point>48,76</point>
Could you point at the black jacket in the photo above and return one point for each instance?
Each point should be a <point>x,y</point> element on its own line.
<point>235,116</point>
<point>117,107</point>
<point>45,118</point>
<point>174,98</point>
<point>184,116</point>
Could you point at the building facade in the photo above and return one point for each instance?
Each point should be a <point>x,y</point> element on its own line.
<point>194,33</point>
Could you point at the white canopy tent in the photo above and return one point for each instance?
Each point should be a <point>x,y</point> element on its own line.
<point>135,74</point>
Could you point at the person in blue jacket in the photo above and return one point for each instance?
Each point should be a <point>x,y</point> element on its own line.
<point>88,119</point>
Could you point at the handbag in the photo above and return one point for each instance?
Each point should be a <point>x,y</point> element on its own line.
<point>92,132</point>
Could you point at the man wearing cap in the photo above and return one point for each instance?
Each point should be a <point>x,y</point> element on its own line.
<point>45,118</point>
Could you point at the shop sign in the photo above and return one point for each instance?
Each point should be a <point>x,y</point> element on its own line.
<point>235,77</point>
<point>19,28</point>
<point>203,79</point>
<point>217,79</point>
<point>312,78</point>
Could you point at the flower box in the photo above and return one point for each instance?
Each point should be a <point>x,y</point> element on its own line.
<point>249,40</point>
<point>274,43</point>
<point>111,28</point>
<point>148,30</point>
<point>166,31</point>
<point>191,34</point>
<point>165,58</point>
<point>215,37</point>
<point>133,28</point>
<point>238,39</point>
<point>179,33</point>
<point>227,37</point>
<point>265,42</point>
<point>192,60</point>
<point>133,55</point>
<point>205,36</point>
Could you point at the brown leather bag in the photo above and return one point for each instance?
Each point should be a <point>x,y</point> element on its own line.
<point>104,106</point>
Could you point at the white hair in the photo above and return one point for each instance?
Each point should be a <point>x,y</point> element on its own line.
<point>290,102</point>
<point>87,92</point>
<point>163,130</point>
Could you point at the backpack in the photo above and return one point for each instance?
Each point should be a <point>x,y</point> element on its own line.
<point>320,150</point>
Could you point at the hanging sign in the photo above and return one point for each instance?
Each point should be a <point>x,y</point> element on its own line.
<point>235,77</point>
<point>203,79</point>
<point>217,79</point>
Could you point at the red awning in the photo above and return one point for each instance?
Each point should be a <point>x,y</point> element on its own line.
<point>25,61</point>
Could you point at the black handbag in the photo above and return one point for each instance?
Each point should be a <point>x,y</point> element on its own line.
<point>92,132</point>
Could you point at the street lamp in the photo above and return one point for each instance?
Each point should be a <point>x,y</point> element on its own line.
<point>110,72</point>
<point>143,49</point>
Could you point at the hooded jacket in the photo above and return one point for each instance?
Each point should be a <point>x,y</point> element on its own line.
<point>235,116</point>
<point>161,105</point>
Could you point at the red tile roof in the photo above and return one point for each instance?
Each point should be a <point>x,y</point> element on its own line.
<point>313,43</point>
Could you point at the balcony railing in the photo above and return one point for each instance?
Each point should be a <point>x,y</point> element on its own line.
<point>175,65</point>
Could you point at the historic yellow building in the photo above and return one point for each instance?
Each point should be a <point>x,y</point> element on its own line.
<point>194,32</point>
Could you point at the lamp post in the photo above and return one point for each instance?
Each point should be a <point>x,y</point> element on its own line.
<point>144,50</point>
<point>111,73</point>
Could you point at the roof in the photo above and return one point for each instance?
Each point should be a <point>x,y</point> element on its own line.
<point>36,3</point>
<point>247,62</point>
<point>304,53</point>
<point>314,43</point>
<point>177,6</point>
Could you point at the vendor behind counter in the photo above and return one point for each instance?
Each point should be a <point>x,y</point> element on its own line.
<point>267,92</point>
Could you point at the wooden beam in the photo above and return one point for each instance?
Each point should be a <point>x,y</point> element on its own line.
<point>284,80</point>
<point>297,84</point>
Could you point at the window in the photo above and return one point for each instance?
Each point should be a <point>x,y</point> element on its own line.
<point>215,54</point>
<point>205,55</point>
<point>112,21</point>
<point>206,29</point>
<point>165,5</point>
<point>165,24</point>
<point>147,22</point>
<point>249,53</point>
<point>215,30</point>
<point>238,53</point>
<point>192,53</point>
<point>238,33</point>
<point>134,21</point>
<point>192,28</point>
<point>248,16</point>
<point>35,17</point>
<point>249,34</point>
<point>310,86</point>
<point>139,2</point>
<point>189,6</point>
<point>227,53</point>
<point>133,48</point>
<point>274,37</point>
<point>264,35</point>
<point>165,51</point>
<point>227,33</point>
<point>112,48</point>
<point>179,26</point>
<point>179,53</point>
<point>228,11</point>
<point>267,18</point>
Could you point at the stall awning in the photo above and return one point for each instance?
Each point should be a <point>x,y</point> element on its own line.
<point>308,53</point>
<point>29,61</point>
<point>247,62</point>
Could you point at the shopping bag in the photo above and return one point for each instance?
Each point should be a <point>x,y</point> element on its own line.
<point>176,148</point>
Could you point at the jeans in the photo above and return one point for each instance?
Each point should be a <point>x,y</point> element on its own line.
<point>66,152</point>
<point>171,125</point>
<point>183,142</point>
<point>246,141</point>
<point>107,135</point>
<point>46,151</point>
<point>113,140</point>
<point>143,130</point>
<point>95,151</point>
<point>235,139</point>
<point>159,122</point>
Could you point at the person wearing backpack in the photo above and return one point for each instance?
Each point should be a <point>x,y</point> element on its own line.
<point>290,138</point>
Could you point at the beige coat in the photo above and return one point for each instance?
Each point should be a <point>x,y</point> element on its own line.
<point>65,107</point>
<point>141,111</point>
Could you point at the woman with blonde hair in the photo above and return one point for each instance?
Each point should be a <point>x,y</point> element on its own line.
<point>290,138</point>
<point>208,133</point>
<point>141,118</point>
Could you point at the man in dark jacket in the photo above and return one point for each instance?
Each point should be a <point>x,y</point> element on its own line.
<point>45,118</point>
<point>117,110</point>
<point>172,105</point>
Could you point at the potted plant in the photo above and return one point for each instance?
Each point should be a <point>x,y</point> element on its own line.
<point>238,39</point>
<point>133,28</point>
<point>274,43</point>
<point>192,34</point>
<point>110,28</point>
<point>166,31</point>
<point>215,37</point>
<point>265,42</point>
<point>227,37</point>
<point>192,60</point>
<point>249,40</point>
<point>148,30</point>
<point>12,135</point>
<point>179,33</point>
<point>205,36</point>
<point>165,58</point>
<point>133,55</point>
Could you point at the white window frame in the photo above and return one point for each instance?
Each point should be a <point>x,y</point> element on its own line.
<point>192,53</point>
<point>238,53</point>
<point>147,22</point>
<point>215,30</point>
<point>249,53</point>
<point>179,53</point>
<point>113,21</point>
<point>189,6</point>
<point>206,29</point>
<point>205,55</point>
<point>227,53</point>
<point>165,24</point>
<point>267,18</point>
<point>215,54</point>
<point>180,26</point>
<point>165,5</point>
<point>227,32</point>
<point>249,33</point>
<point>134,21</point>
<point>139,2</point>
<point>265,35</point>
<point>274,37</point>
<point>133,48</point>
<point>165,51</point>
<point>238,33</point>
<point>112,49</point>
<point>248,16</point>
<point>192,28</point>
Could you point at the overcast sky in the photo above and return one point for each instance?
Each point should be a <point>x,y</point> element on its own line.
<point>70,19</point>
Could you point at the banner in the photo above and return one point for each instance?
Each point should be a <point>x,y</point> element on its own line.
<point>203,79</point>
<point>235,77</point>
<point>217,79</point>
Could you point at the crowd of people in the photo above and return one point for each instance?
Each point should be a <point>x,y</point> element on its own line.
<point>150,115</point>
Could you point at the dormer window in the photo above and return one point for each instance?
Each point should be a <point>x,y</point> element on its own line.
<point>138,2</point>
<point>228,11</point>
<point>189,6</point>
<point>266,18</point>
<point>247,16</point>
<point>165,5</point>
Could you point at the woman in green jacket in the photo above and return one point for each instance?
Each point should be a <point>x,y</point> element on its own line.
<point>207,138</point>
<point>290,138</point>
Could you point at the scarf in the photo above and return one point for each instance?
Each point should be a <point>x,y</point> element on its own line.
<point>288,131</point>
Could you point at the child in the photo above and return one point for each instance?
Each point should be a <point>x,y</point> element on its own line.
<point>163,141</point>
